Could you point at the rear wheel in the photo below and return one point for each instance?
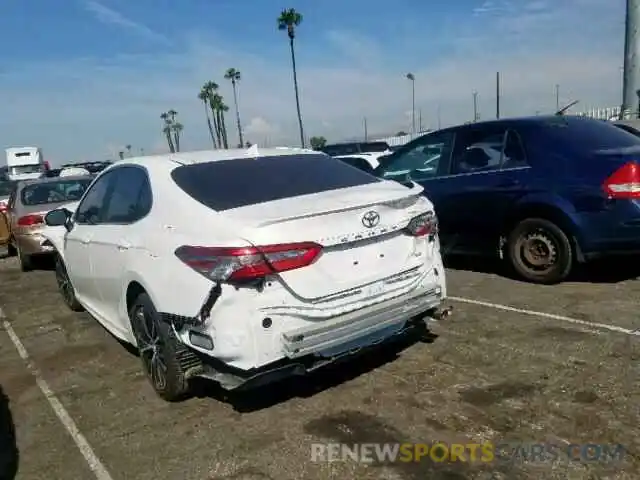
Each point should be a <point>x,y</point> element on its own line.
<point>26,261</point>
<point>159,350</point>
<point>539,251</point>
<point>66,287</point>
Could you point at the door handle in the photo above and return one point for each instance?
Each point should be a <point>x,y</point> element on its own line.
<point>124,245</point>
<point>84,240</point>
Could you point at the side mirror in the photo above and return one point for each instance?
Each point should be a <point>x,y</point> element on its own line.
<point>58,217</point>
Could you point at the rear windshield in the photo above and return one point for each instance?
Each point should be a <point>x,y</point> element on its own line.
<point>227,184</point>
<point>54,192</point>
<point>628,128</point>
<point>587,135</point>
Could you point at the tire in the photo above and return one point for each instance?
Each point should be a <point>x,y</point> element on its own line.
<point>66,287</point>
<point>11,250</point>
<point>159,350</point>
<point>539,251</point>
<point>26,262</point>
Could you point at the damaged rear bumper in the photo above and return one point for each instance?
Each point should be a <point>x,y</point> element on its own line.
<point>306,354</point>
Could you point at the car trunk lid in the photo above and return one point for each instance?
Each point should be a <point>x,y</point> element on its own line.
<point>361,230</point>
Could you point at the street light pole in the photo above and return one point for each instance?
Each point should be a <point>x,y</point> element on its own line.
<point>411,77</point>
<point>557,97</point>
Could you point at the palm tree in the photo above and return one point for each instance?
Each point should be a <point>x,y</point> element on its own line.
<point>204,96</point>
<point>289,20</point>
<point>211,89</point>
<point>166,129</point>
<point>177,128</point>
<point>218,107</point>
<point>234,75</point>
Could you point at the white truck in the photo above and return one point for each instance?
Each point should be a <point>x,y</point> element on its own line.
<point>25,163</point>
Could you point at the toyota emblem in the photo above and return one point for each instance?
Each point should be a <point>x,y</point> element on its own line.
<point>371,219</point>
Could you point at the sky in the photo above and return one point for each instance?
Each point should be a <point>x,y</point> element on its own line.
<point>83,78</point>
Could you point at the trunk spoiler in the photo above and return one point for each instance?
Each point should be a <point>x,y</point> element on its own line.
<point>415,190</point>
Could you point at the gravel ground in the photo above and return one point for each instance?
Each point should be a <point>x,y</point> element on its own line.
<point>487,375</point>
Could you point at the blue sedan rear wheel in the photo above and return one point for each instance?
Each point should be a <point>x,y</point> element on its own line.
<point>539,251</point>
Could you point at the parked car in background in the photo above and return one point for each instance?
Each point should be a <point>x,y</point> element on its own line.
<point>355,148</point>
<point>366,162</point>
<point>91,167</point>
<point>245,285</point>
<point>29,202</point>
<point>544,193</point>
<point>6,187</point>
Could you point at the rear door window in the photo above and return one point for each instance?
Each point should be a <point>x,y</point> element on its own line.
<point>131,196</point>
<point>478,149</point>
<point>226,184</point>
<point>514,155</point>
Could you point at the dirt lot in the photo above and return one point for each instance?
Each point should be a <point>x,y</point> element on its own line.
<point>490,375</point>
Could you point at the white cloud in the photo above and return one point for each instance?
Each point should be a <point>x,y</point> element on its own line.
<point>259,130</point>
<point>109,16</point>
<point>90,105</point>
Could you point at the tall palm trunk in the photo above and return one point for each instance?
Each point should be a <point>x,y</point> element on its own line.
<point>167,132</point>
<point>223,129</point>
<point>177,141</point>
<point>235,102</point>
<point>206,112</point>
<point>295,86</point>
<point>216,124</point>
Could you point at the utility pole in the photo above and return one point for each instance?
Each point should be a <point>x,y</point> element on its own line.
<point>475,106</point>
<point>497,94</point>
<point>439,122</point>
<point>631,82</point>
<point>366,133</point>
<point>420,120</point>
<point>412,77</point>
<point>557,97</point>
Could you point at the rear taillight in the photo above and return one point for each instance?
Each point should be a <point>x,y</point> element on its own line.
<point>30,220</point>
<point>3,207</point>
<point>624,182</point>
<point>248,263</point>
<point>424,224</point>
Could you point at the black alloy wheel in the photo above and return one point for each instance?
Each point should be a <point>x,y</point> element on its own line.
<point>66,287</point>
<point>159,350</point>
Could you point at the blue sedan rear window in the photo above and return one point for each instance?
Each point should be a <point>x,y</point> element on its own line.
<point>588,135</point>
<point>226,184</point>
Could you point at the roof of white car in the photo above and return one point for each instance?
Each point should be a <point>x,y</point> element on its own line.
<point>203,156</point>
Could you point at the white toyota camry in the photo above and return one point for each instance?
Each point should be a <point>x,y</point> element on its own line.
<point>244,266</point>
